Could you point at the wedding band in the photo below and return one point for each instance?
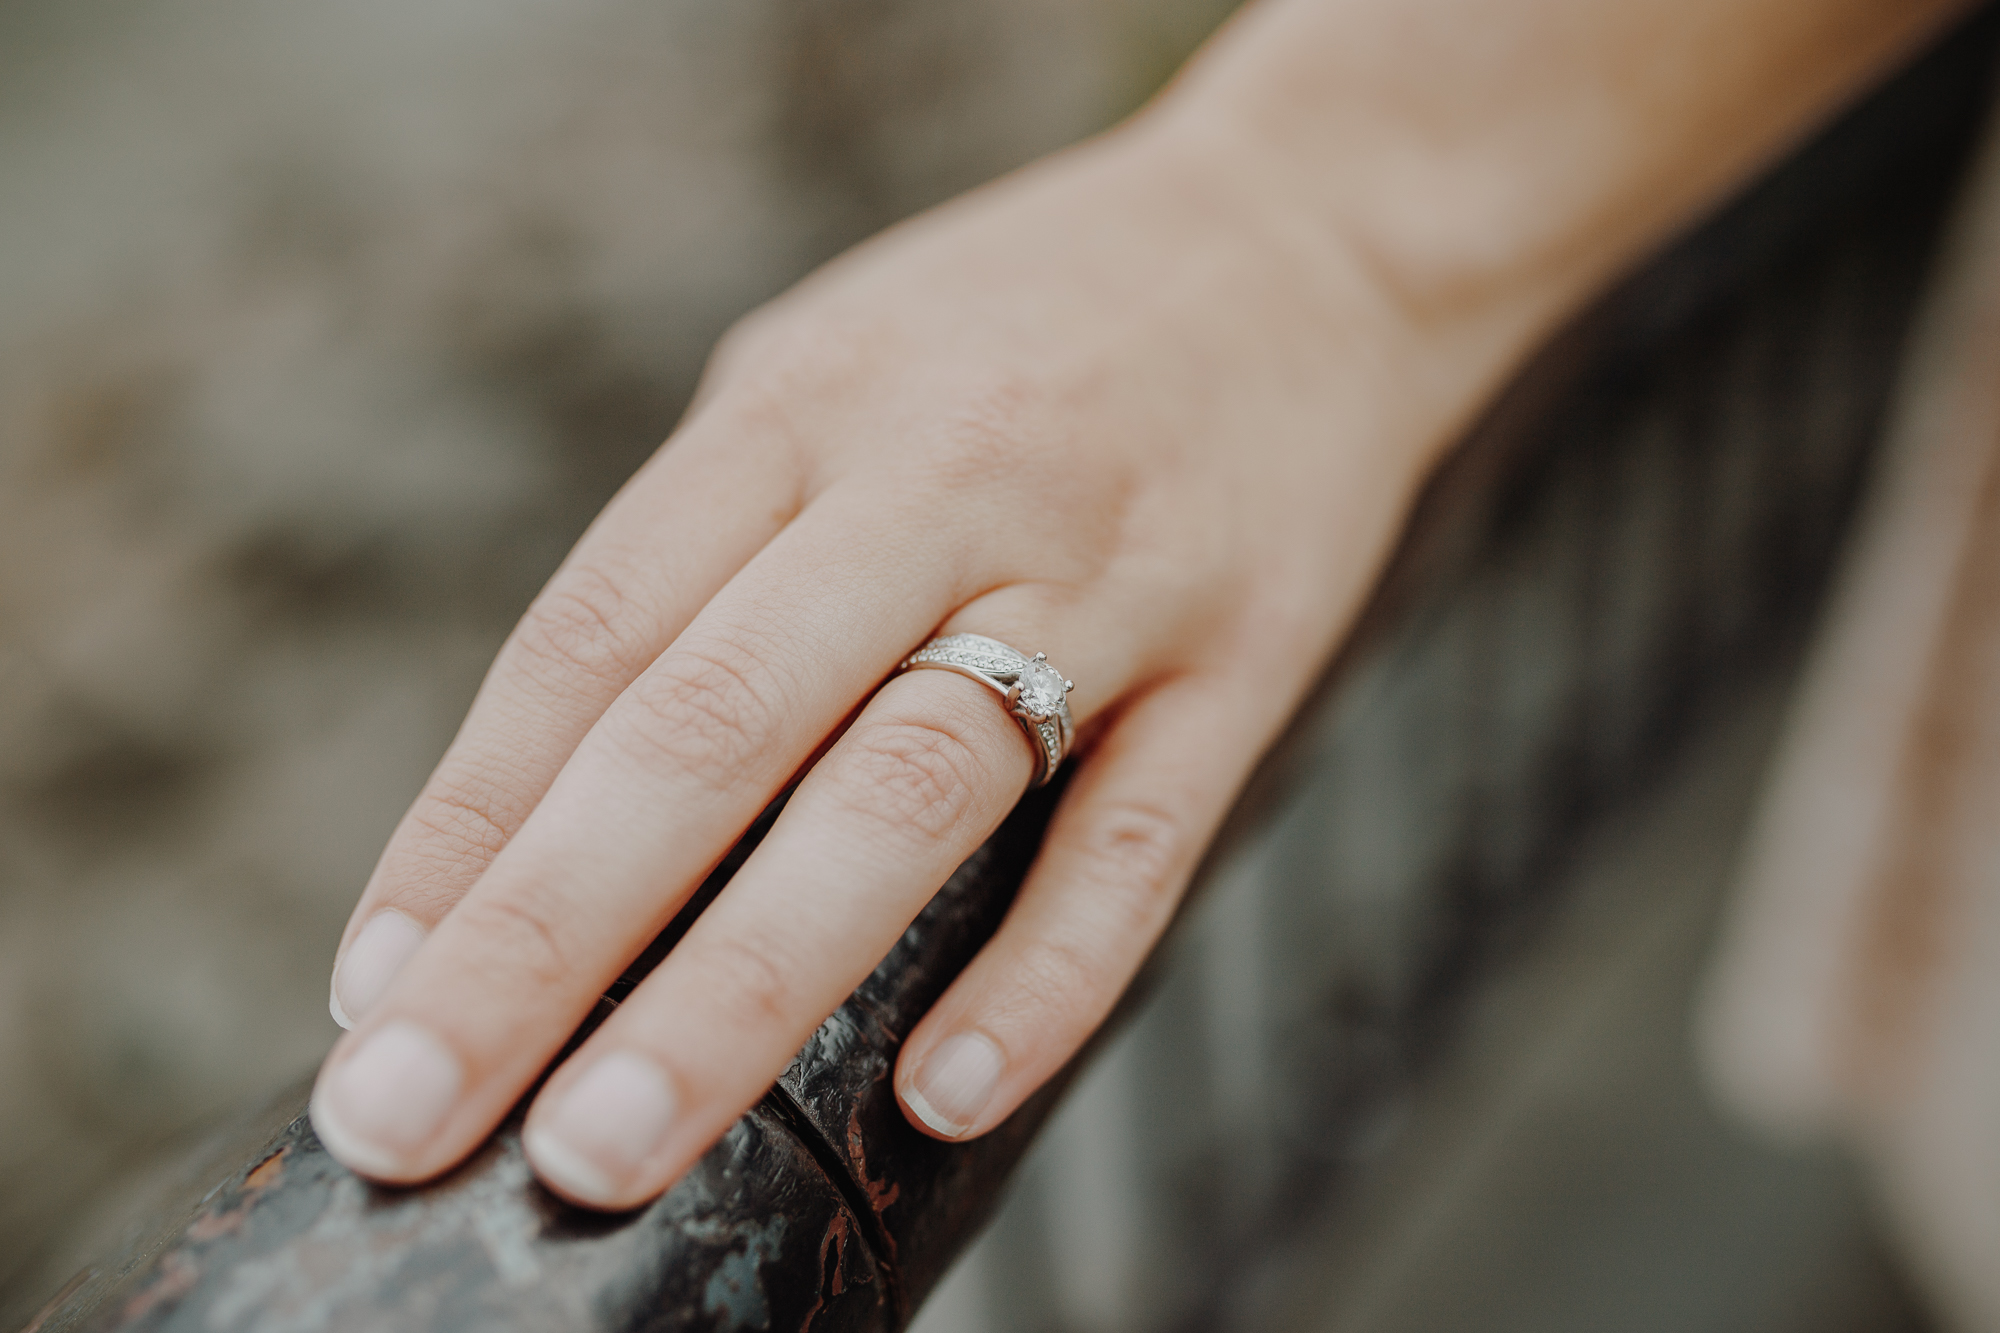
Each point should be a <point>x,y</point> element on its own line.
<point>1035,693</point>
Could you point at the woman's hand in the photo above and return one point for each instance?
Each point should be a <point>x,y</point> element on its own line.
<point>1154,407</point>
<point>1100,410</point>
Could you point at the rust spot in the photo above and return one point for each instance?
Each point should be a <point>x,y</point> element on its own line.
<point>880,1192</point>
<point>837,1234</point>
<point>262,1176</point>
<point>835,1239</point>
<point>215,1226</point>
<point>267,1172</point>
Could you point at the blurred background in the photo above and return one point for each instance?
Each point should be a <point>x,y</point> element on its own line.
<point>325,329</point>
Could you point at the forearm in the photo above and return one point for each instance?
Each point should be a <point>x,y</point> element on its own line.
<point>1492,166</point>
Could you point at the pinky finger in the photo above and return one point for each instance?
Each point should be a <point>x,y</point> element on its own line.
<point>1113,867</point>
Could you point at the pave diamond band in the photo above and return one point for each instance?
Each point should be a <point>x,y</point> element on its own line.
<point>1035,693</point>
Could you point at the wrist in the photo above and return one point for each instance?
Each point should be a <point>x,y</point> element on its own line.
<point>1491,173</point>
<point>1402,368</point>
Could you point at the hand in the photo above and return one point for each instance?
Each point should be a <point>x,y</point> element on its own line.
<point>1098,410</point>
<point>1155,407</point>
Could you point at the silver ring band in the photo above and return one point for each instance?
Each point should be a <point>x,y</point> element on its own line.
<point>1035,693</point>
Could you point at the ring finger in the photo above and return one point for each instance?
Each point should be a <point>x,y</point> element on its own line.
<point>929,769</point>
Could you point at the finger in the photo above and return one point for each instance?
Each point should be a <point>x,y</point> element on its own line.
<point>687,521</point>
<point>1113,867</point>
<point>922,778</point>
<point>675,769</point>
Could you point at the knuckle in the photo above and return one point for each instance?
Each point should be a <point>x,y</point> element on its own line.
<point>587,621</point>
<point>464,820</point>
<point>751,977</point>
<point>774,368</point>
<point>706,711</point>
<point>743,345</point>
<point>1059,975</point>
<point>989,436</point>
<point>1135,850</point>
<point>449,836</point>
<point>761,402</point>
<point>449,851</point>
<point>921,776</point>
<point>425,884</point>
<point>518,937</point>
<point>990,453</point>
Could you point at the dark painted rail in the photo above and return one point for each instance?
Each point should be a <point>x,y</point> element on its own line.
<point>822,1208</point>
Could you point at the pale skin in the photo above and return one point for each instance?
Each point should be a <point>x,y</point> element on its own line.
<point>1156,407</point>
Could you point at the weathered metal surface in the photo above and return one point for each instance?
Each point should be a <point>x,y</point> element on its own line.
<point>821,1209</point>
<point>295,1243</point>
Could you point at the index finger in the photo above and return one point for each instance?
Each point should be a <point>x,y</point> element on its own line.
<point>690,518</point>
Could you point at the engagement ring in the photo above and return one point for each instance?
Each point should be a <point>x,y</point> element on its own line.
<point>1035,693</point>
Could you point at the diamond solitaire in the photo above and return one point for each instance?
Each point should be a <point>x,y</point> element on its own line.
<point>1042,688</point>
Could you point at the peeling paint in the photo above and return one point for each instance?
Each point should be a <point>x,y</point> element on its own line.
<point>881,1193</point>
<point>834,1283</point>
<point>267,1172</point>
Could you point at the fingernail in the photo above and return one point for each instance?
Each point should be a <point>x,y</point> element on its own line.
<point>590,1144</point>
<point>370,964</point>
<point>955,1083</point>
<point>384,1102</point>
